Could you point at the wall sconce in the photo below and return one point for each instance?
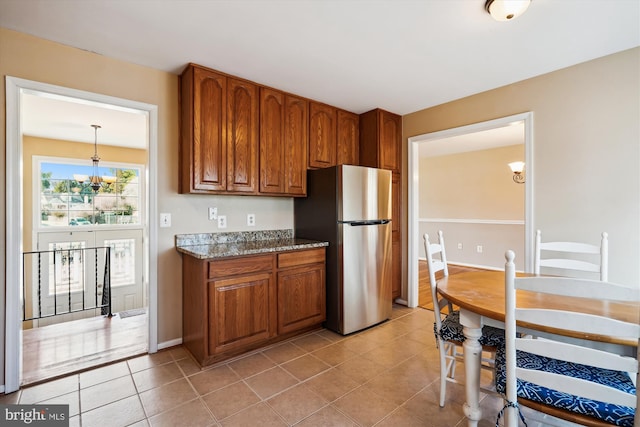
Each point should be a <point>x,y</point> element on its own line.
<point>506,10</point>
<point>518,172</point>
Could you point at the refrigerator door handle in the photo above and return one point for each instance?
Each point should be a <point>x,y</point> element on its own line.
<point>369,222</point>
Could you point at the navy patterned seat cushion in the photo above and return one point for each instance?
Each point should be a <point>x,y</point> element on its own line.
<point>451,330</point>
<point>614,414</point>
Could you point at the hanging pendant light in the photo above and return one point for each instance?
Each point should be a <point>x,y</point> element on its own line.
<point>95,180</point>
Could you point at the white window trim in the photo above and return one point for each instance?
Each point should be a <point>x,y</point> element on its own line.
<point>14,86</point>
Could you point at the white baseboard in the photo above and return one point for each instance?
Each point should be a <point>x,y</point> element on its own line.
<point>170,343</point>
<point>1,388</point>
<point>400,301</point>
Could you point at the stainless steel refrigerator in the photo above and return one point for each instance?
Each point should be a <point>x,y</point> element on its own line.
<point>350,207</point>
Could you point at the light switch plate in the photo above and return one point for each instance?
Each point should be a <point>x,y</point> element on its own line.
<point>165,220</point>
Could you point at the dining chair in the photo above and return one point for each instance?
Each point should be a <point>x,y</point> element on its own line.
<point>572,256</point>
<point>570,380</point>
<point>448,330</point>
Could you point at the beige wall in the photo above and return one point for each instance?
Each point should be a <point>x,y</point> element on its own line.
<point>31,58</point>
<point>586,150</point>
<point>472,198</point>
<point>471,185</point>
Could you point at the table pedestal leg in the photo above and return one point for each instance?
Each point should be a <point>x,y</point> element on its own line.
<point>472,360</point>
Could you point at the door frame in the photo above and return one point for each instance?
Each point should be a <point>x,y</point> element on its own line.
<point>413,161</point>
<point>13,337</point>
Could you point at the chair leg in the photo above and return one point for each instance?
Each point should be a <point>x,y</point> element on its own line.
<point>452,354</point>
<point>444,368</point>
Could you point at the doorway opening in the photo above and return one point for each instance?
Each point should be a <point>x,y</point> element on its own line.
<point>29,224</point>
<point>434,139</point>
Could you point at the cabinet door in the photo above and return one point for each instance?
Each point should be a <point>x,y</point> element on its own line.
<point>396,267</point>
<point>322,135</point>
<point>272,140</point>
<point>396,271</point>
<point>204,136</point>
<point>242,136</point>
<point>240,312</point>
<point>296,137</point>
<point>301,297</point>
<point>390,134</point>
<point>348,138</point>
<point>396,199</point>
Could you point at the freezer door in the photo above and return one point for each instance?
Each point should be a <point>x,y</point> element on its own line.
<point>366,278</point>
<point>364,193</point>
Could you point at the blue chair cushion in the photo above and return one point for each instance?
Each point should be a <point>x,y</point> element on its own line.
<point>613,414</point>
<point>451,330</point>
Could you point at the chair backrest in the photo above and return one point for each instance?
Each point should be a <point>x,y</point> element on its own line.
<point>436,257</point>
<point>436,261</point>
<point>573,256</point>
<point>542,318</point>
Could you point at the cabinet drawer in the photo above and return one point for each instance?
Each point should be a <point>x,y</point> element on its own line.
<point>291,259</point>
<point>231,267</point>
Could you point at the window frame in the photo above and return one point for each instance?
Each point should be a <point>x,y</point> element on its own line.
<point>37,207</point>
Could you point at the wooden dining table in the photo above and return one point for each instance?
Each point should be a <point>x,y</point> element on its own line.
<point>480,295</point>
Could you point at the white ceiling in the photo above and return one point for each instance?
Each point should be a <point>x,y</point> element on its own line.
<point>69,119</point>
<point>399,55</point>
<point>512,134</point>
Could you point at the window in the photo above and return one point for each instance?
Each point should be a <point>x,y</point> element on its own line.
<point>123,261</point>
<point>67,199</point>
<point>66,267</point>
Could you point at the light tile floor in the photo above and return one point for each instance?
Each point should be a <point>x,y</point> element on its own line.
<point>385,376</point>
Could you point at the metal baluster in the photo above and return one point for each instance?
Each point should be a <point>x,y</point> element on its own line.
<point>84,250</point>
<point>24,288</point>
<point>39,284</point>
<point>55,284</point>
<point>107,278</point>
<point>95,277</point>
<point>69,278</point>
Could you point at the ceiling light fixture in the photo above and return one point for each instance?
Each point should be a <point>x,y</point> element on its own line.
<point>95,180</point>
<point>518,172</point>
<point>506,10</point>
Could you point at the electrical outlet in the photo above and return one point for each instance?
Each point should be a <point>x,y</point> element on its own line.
<point>251,220</point>
<point>459,245</point>
<point>165,220</point>
<point>213,214</point>
<point>479,249</point>
<point>222,221</point>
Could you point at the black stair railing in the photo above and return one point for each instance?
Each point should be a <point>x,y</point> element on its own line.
<point>50,277</point>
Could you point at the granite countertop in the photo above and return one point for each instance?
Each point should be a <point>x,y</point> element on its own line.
<point>221,245</point>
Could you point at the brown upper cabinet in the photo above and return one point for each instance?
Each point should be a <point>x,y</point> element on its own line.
<point>242,136</point>
<point>283,143</point>
<point>203,136</point>
<point>333,136</point>
<point>219,133</point>
<point>322,135</point>
<point>348,138</point>
<point>238,137</point>
<point>380,135</point>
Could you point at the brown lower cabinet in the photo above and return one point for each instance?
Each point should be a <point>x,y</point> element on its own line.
<point>237,304</point>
